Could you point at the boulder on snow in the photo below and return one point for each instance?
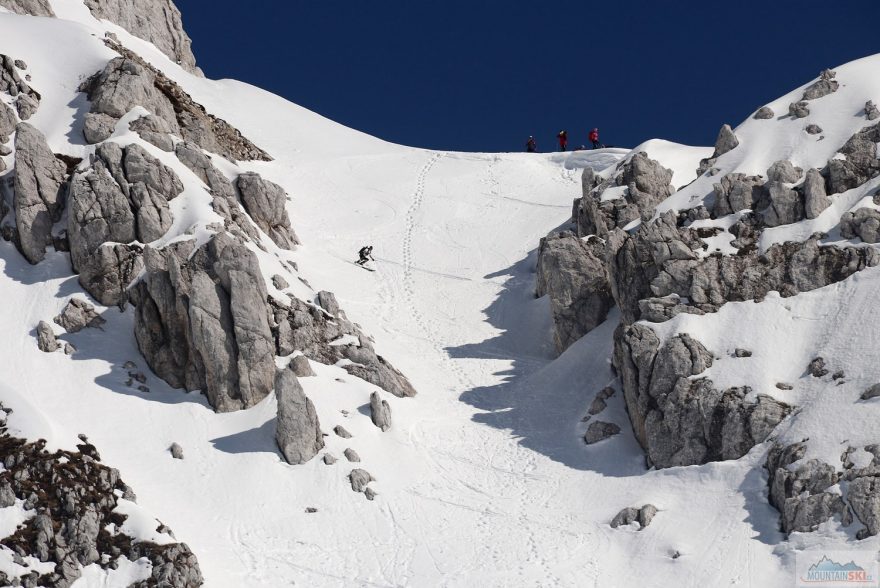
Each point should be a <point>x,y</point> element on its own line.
<point>599,431</point>
<point>826,84</point>
<point>77,315</point>
<point>26,106</point>
<point>380,412</point>
<point>871,110</point>
<point>176,451</point>
<point>629,515</point>
<point>359,479</point>
<point>301,367</point>
<point>764,113</point>
<point>784,171</point>
<point>351,455</point>
<point>46,340</point>
<point>279,282</point>
<point>816,198</point>
<point>863,223</point>
<point>329,459</point>
<point>799,109</point>
<point>341,432</point>
<point>813,129</point>
<point>872,392</point>
<point>816,368</point>
<point>297,429</point>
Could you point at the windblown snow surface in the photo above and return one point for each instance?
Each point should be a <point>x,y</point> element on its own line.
<point>484,479</point>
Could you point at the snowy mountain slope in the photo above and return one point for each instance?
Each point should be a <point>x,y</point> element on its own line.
<point>484,476</point>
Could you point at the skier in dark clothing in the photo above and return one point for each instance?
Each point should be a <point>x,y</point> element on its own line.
<point>563,140</point>
<point>365,254</point>
<point>531,145</point>
<point>594,138</point>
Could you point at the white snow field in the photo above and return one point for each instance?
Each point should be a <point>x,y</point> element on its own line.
<point>484,478</point>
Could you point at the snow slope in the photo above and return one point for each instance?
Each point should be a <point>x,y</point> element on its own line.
<point>484,478</point>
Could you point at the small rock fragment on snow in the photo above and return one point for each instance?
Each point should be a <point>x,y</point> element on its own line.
<point>279,282</point>
<point>599,431</point>
<point>742,353</point>
<point>69,349</point>
<point>329,459</point>
<point>784,386</point>
<point>144,389</point>
<point>301,367</point>
<point>872,392</point>
<point>342,432</point>
<point>817,368</point>
<point>359,479</point>
<point>351,455</point>
<point>176,451</point>
<point>46,340</point>
<point>380,412</point>
<point>311,510</point>
<point>764,113</point>
<point>370,493</point>
<point>129,365</point>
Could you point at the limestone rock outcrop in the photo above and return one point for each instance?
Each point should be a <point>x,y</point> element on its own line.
<point>201,321</point>
<point>297,429</point>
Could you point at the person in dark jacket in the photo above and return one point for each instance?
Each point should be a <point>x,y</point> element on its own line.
<point>563,140</point>
<point>531,145</point>
<point>594,138</point>
<point>365,254</point>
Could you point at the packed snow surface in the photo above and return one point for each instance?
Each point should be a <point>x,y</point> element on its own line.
<point>484,478</point>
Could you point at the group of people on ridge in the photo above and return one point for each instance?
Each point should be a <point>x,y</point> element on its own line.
<point>562,137</point>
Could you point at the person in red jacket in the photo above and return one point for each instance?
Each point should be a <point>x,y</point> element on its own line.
<point>563,140</point>
<point>531,145</point>
<point>594,138</point>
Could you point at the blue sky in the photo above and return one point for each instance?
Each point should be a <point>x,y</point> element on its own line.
<point>484,75</point>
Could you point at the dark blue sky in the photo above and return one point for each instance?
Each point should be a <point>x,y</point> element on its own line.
<point>483,75</point>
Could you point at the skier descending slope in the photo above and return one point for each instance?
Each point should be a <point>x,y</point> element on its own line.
<point>365,254</point>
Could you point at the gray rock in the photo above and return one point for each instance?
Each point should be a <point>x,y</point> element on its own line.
<point>863,223</point>
<point>359,479</point>
<point>742,353</point>
<point>176,451</point>
<point>156,21</point>
<point>8,122</point>
<point>871,111</point>
<point>863,495</point>
<point>77,315</point>
<point>26,106</point>
<point>301,367</point>
<point>154,130</point>
<point>872,392</point>
<point>279,282</point>
<point>31,7</point>
<point>627,516</point>
<point>380,412</point>
<point>351,455</point>
<point>798,109</point>
<point>599,431</point>
<point>327,301</point>
<point>202,321</point>
<point>370,493</point>
<point>298,430</point>
<point>39,191</point>
<point>726,141</point>
<point>816,198</point>
<point>572,271</point>
<point>329,459</point>
<point>98,127</point>
<point>784,171</point>
<point>860,163</point>
<point>266,203</point>
<point>646,515</point>
<point>784,386</point>
<point>786,206</point>
<point>597,406</point>
<point>826,84</point>
<point>341,432</point>
<point>311,510</point>
<point>737,192</point>
<point>46,340</point>
<point>20,64</point>
<point>69,349</point>
<point>813,129</point>
<point>763,113</point>
<point>817,368</point>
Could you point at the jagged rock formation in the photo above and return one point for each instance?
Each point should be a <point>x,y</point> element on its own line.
<point>77,315</point>
<point>128,81</point>
<point>40,185</point>
<point>323,334</point>
<point>156,21</point>
<point>266,203</point>
<point>201,321</point>
<point>121,200</point>
<point>297,431</point>
<point>572,271</point>
<point>31,7</point>
<point>726,141</point>
<point>75,497</point>
<point>860,164</point>
<point>826,84</point>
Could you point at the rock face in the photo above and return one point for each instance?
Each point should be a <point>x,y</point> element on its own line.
<point>572,271</point>
<point>861,162</point>
<point>128,81</point>
<point>77,315</point>
<point>74,498</point>
<point>123,198</point>
<point>156,21</point>
<point>266,203</point>
<point>39,191</point>
<point>201,321</point>
<point>297,431</point>
<point>323,334</point>
<point>380,412</point>
<point>681,421</point>
<point>31,7</point>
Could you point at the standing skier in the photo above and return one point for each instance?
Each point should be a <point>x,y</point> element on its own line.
<point>531,145</point>
<point>365,254</point>
<point>563,140</point>
<point>594,138</point>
